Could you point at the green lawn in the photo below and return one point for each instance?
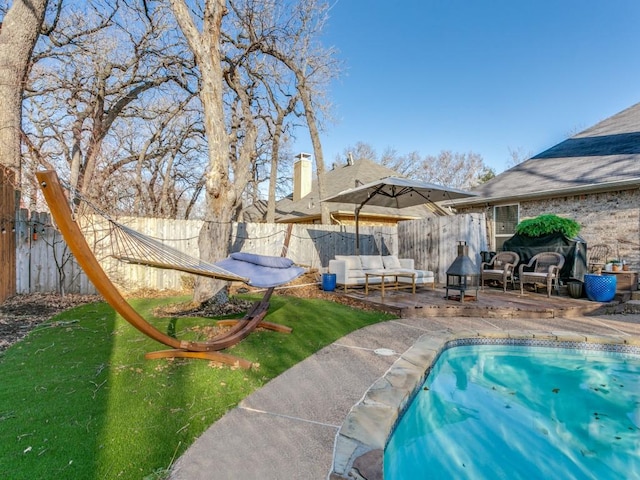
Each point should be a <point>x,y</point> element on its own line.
<point>79,400</point>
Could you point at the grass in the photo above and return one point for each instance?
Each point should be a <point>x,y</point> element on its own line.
<point>78,399</point>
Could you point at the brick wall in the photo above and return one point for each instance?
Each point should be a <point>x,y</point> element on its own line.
<point>610,218</point>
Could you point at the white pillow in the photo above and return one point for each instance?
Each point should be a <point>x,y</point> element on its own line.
<point>353,261</point>
<point>391,262</point>
<point>371,262</point>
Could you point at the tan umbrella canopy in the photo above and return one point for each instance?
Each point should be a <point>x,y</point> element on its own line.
<point>395,192</point>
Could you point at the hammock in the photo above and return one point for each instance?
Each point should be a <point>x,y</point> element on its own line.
<point>255,270</point>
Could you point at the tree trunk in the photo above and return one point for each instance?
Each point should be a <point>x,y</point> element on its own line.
<point>18,35</point>
<point>317,148</point>
<point>220,195</point>
<point>215,234</point>
<point>273,176</point>
<point>278,129</point>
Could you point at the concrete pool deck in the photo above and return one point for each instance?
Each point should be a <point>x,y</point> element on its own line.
<point>294,426</point>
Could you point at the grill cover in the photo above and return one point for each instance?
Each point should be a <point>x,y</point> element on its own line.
<point>574,251</point>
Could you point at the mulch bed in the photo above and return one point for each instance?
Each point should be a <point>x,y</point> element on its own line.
<point>21,313</point>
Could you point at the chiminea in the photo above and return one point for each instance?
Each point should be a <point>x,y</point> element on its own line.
<point>463,274</point>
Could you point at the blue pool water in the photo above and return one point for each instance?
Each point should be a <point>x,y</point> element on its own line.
<point>494,411</point>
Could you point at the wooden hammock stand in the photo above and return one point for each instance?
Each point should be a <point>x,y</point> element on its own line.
<point>208,350</point>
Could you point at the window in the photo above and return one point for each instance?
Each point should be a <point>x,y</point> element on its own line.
<point>505,219</point>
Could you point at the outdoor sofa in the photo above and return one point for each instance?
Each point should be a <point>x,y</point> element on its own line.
<point>351,270</point>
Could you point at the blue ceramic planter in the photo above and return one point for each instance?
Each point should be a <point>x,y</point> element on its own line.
<point>600,288</point>
<point>328,282</point>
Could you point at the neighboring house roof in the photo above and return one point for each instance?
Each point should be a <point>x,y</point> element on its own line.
<point>601,158</point>
<point>340,178</point>
<point>256,212</point>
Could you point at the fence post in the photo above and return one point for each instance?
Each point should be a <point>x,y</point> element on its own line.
<point>8,204</point>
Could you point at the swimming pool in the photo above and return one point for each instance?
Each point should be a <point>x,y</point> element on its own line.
<point>513,411</point>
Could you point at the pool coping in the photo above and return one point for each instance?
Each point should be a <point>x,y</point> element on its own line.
<point>360,442</point>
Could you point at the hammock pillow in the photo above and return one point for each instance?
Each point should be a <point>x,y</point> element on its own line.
<point>260,270</point>
<point>263,260</point>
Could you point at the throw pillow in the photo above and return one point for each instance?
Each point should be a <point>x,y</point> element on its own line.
<point>371,262</point>
<point>353,261</point>
<point>391,262</point>
<point>263,260</point>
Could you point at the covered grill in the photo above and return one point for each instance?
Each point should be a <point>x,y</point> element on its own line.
<point>463,274</point>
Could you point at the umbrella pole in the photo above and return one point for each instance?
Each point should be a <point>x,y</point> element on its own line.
<point>357,215</point>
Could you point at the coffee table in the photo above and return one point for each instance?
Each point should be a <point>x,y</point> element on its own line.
<point>390,273</point>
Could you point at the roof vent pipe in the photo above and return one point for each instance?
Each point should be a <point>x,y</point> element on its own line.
<point>350,158</point>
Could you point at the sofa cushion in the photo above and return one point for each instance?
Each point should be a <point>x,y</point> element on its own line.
<point>418,273</point>
<point>353,261</point>
<point>355,274</point>
<point>371,262</point>
<point>391,262</point>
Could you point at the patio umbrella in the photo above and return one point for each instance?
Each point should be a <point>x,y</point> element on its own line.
<point>395,192</point>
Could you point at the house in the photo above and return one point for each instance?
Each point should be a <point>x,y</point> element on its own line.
<point>303,204</point>
<point>592,177</point>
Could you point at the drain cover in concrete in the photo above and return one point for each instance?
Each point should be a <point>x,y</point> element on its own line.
<point>384,352</point>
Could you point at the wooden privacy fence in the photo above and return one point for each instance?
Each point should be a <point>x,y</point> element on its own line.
<point>45,263</point>
<point>433,242</point>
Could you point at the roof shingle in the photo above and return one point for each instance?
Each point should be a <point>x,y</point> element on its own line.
<point>603,156</point>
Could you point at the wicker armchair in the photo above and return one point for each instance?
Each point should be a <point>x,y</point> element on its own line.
<point>543,268</point>
<point>500,268</point>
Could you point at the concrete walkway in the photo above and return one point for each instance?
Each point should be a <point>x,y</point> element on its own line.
<point>287,429</point>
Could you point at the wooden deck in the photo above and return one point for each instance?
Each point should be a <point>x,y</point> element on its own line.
<point>490,303</point>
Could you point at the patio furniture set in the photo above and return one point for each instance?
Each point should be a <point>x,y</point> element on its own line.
<point>378,271</point>
<point>543,269</point>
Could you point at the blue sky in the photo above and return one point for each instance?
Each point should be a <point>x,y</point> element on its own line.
<point>478,75</point>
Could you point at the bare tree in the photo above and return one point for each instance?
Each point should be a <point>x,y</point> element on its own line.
<point>296,45</point>
<point>201,25</point>
<point>109,103</point>
<point>314,132</point>
<point>229,41</point>
<point>453,169</point>
<point>244,127</point>
<point>359,151</point>
<point>277,128</point>
<point>517,156</point>
<point>19,31</point>
<point>101,62</point>
<point>407,164</point>
<point>157,171</point>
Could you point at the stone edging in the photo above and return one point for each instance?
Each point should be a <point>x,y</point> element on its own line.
<point>360,443</point>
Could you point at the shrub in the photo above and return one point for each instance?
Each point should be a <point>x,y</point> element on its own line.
<point>548,224</point>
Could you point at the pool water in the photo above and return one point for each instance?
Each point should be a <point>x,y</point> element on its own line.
<point>495,411</point>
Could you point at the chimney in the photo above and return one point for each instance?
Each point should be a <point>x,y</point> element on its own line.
<point>301,176</point>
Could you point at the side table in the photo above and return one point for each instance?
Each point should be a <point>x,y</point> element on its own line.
<point>627,280</point>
